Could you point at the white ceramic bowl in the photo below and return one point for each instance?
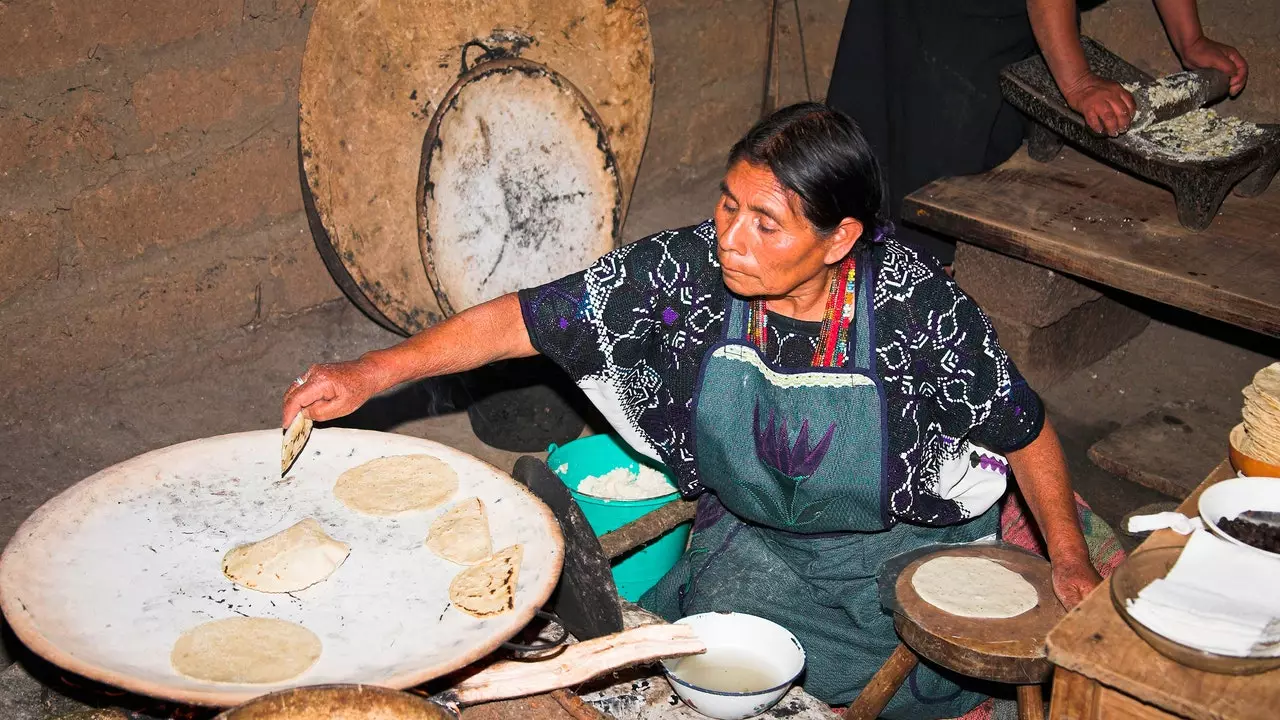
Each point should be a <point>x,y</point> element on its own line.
<point>749,665</point>
<point>1231,497</point>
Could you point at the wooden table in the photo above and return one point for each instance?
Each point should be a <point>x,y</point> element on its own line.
<point>1105,671</point>
<point>1081,217</point>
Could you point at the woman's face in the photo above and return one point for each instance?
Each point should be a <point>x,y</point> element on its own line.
<point>766,245</point>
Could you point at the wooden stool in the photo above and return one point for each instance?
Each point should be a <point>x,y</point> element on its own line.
<point>1007,650</point>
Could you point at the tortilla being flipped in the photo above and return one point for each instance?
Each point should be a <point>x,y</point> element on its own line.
<point>461,534</point>
<point>295,438</point>
<point>397,484</point>
<point>245,650</point>
<point>488,588</point>
<point>973,587</point>
<point>290,560</point>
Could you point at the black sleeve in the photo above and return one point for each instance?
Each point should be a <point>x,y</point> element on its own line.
<point>980,393</point>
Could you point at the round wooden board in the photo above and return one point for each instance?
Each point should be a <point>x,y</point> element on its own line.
<point>372,77</point>
<point>102,579</point>
<point>1007,650</point>
<point>345,702</point>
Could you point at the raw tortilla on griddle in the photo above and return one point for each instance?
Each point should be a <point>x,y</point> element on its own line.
<point>245,650</point>
<point>489,587</point>
<point>461,534</point>
<point>397,484</point>
<point>290,560</point>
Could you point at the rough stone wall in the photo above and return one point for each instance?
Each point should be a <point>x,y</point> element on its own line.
<point>1132,28</point>
<point>149,192</point>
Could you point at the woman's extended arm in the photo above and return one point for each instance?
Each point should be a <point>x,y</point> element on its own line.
<point>1041,472</point>
<point>480,335</point>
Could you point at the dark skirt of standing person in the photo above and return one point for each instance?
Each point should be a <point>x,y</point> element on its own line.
<point>922,79</point>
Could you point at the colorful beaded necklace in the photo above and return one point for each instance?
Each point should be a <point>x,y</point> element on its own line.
<point>834,336</point>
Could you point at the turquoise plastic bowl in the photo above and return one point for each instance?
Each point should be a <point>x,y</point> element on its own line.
<point>596,455</point>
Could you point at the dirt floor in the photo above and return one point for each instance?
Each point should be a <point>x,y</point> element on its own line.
<point>55,436</point>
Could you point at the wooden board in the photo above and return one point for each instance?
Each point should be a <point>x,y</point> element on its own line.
<point>1094,641</point>
<point>1076,697</point>
<point>1009,650</point>
<point>1170,449</point>
<point>1086,219</point>
<point>372,77</point>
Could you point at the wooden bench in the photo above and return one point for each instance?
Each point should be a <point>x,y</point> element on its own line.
<point>1078,216</point>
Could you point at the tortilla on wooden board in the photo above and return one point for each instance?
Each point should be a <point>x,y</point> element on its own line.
<point>973,587</point>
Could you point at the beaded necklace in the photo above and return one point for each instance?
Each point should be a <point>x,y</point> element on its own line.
<point>834,336</point>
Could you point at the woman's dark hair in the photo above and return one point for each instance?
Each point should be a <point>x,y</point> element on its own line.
<point>820,154</point>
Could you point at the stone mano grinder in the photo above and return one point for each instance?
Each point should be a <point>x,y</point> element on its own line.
<point>1222,152</point>
<point>1177,94</point>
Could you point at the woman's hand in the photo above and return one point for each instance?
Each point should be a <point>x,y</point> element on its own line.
<point>1206,53</point>
<point>1106,106</point>
<point>332,390</point>
<point>1073,580</point>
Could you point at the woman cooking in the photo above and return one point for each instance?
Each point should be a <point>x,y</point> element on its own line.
<point>834,399</point>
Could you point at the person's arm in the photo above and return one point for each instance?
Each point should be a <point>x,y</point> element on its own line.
<point>480,335</point>
<point>1041,473</point>
<point>1106,106</point>
<point>1181,20</point>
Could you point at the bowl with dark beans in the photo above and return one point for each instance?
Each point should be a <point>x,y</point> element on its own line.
<point>1245,511</point>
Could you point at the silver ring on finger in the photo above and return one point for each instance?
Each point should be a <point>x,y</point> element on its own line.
<point>300,380</point>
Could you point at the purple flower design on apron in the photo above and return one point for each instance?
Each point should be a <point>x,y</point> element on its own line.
<point>791,464</point>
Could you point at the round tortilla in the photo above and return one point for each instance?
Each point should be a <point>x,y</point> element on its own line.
<point>245,650</point>
<point>461,534</point>
<point>973,587</point>
<point>290,560</point>
<point>1267,381</point>
<point>397,484</point>
<point>488,588</point>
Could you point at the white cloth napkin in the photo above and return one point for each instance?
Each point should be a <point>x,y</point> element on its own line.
<point>1219,597</point>
<point>1174,521</point>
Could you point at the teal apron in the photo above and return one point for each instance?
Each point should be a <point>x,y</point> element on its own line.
<point>796,524</point>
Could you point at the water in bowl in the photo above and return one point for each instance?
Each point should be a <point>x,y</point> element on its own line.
<point>728,670</point>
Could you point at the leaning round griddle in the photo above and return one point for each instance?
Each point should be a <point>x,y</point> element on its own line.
<point>103,578</point>
<point>518,185</point>
<point>374,75</point>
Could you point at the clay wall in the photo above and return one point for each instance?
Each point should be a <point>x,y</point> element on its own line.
<point>1132,28</point>
<point>149,191</point>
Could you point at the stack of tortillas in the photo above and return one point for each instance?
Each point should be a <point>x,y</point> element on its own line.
<point>1261,439</point>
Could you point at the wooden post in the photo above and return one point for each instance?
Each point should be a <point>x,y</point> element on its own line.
<point>1030,704</point>
<point>883,685</point>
